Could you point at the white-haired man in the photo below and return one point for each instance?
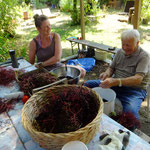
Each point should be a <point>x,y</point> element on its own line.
<point>128,73</point>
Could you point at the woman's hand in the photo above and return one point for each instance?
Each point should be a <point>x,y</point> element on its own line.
<point>38,65</point>
<point>109,82</point>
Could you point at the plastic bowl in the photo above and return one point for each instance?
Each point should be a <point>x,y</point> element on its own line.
<point>74,145</point>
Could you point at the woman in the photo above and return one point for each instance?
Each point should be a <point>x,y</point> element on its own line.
<point>46,46</point>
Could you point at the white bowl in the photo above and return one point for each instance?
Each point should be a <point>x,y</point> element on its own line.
<point>74,145</point>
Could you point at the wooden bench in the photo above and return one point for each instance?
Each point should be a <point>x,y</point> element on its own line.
<point>68,58</point>
<point>94,17</point>
<point>46,12</point>
<point>91,44</point>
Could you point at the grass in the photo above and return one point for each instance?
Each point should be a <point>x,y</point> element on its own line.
<point>107,31</point>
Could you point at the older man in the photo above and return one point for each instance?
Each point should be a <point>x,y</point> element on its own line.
<point>128,74</point>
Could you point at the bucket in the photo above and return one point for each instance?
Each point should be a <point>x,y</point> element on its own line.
<point>108,96</point>
<point>25,14</point>
<point>53,5</point>
<point>100,55</point>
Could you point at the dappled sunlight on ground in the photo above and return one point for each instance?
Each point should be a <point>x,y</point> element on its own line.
<point>106,31</point>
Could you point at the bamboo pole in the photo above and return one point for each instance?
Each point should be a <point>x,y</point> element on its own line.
<point>137,11</point>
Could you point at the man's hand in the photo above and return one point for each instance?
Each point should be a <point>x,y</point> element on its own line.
<point>109,82</point>
<point>103,76</point>
<point>108,73</point>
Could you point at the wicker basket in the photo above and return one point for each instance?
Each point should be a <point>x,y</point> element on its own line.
<point>40,70</point>
<point>56,141</point>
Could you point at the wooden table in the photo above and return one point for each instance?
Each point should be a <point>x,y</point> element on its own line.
<point>14,137</point>
<point>91,44</point>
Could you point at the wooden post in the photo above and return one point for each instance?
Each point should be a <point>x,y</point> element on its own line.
<point>82,19</point>
<point>113,3</point>
<point>137,11</point>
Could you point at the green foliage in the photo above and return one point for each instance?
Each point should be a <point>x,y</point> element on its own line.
<point>92,7</point>
<point>75,15</point>
<point>40,4</point>
<point>3,48</point>
<point>27,1</point>
<point>23,7</point>
<point>145,11</point>
<point>9,16</point>
<point>66,5</point>
<point>73,6</point>
<point>19,44</point>
<point>75,12</point>
<point>44,1</point>
<point>103,2</point>
<point>89,9</point>
<point>6,43</point>
<point>55,2</point>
